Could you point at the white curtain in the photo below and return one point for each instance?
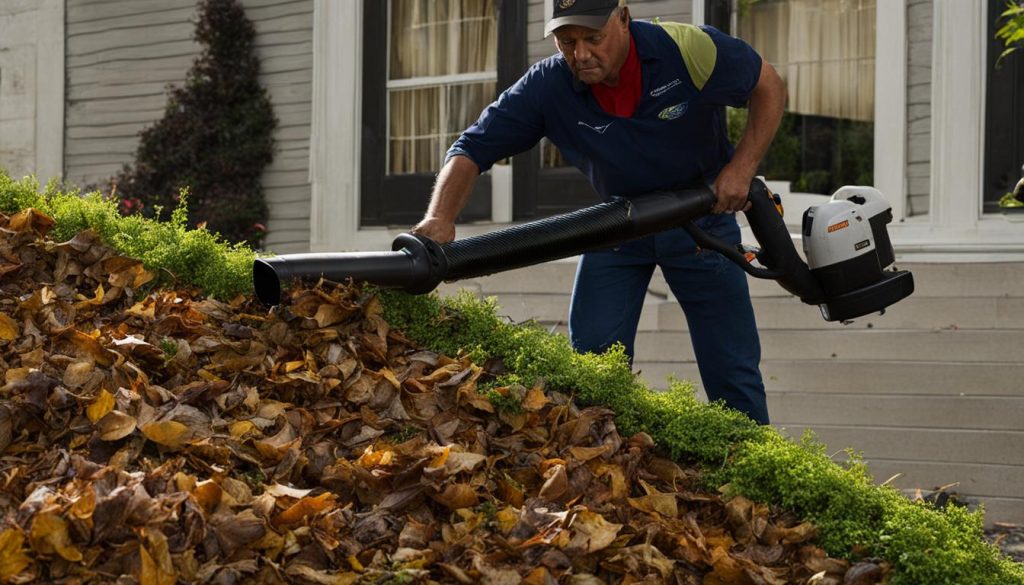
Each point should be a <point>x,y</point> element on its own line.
<point>824,49</point>
<point>437,39</point>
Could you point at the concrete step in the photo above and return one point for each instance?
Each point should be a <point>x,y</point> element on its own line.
<point>935,445</point>
<point>910,313</point>
<point>869,378</point>
<point>981,480</point>
<point>879,410</point>
<point>1005,510</point>
<point>977,484</point>
<point>790,313</point>
<point>960,345</point>
<point>997,279</point>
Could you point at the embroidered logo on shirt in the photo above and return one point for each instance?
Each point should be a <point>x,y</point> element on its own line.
<point>673,112</point>
<point>598,129</point>
<point>664,89</point>
<point>566,4</point>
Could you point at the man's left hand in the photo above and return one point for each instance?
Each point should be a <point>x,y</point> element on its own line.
<point>732,188</point>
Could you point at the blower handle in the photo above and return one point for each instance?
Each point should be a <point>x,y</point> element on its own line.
<point>779,256</point>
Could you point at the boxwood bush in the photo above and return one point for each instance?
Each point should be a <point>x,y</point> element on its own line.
<point>857,519</point>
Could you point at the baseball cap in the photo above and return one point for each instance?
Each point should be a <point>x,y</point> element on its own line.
<point>588,13</point>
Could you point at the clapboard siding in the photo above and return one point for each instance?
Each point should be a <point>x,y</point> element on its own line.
<point>121,56</point>
<point>919,100</point>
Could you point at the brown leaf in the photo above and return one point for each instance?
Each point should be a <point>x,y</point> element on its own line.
<point>591,532</point>
<point>115,425</point>
<point>457,495</point>
<point>864,573</point>
<point>556,483</point>
<point>663,504</point>
<point>535,399</point>
<point>304,508</point>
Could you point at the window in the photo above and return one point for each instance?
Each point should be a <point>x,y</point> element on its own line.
<point>442,73</point>
<point>1004,117</point>
<point>429,68</point>
<point>825,50</point>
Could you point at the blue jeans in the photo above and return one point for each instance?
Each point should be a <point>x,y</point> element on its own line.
<point>609,292</point>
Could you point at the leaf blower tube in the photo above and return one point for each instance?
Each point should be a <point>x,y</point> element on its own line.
<point>418,264</point>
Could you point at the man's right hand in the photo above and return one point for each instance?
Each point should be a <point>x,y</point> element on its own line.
<point>435,228</point>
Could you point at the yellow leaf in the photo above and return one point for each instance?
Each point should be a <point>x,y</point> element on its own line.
<point>292,366</point>
<point>13,559</point>
<point>85,505</point>
<point>99,408</point>
<point>157,567</point>
<point>208,375</point>
<point>8,328</point>
<point>49,535</point>
<point>390,377</point>
<point>169,433</point>
<point>240,428</point>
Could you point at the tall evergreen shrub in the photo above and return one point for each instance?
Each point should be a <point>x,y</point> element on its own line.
<point>215,138</point>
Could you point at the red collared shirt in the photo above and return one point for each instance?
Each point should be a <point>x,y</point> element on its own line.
<point>622,99</point>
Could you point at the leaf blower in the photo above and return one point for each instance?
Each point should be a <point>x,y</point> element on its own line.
<point>845,241</point>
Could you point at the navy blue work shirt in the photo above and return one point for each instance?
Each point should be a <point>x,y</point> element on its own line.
<point>676,137</point>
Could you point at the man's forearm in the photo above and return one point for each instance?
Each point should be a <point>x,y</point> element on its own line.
<point>453,187</point>
<point>451,192</point>
<point>767,102</point>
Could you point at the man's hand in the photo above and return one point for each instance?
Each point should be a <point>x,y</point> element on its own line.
<point>436,229</point>
<point>731,189</point>
<point>765,111</point>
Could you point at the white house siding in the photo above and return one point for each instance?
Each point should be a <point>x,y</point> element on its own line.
<point>31,86</point>
<point>121,54</point>
<point>919,108</point>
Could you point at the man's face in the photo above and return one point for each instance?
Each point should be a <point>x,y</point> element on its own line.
<point>596,55</point>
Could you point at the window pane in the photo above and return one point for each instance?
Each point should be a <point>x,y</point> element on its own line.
<point>825,50</point>
<point>414,130</point>
<point>436,47</point>
<point>442,37</point>
<point>424,122</point>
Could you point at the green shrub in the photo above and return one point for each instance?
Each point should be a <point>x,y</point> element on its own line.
<point>215,138</point>
<point>176,254</point>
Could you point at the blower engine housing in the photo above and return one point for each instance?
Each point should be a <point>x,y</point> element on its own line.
<point>848,250</point>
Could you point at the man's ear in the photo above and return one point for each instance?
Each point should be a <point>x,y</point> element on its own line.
<point>624,14</point>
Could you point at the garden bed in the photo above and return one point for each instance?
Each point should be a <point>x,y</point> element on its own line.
<point>351,436</point>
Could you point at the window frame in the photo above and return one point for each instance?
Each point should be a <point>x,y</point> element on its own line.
<point>399,199</point>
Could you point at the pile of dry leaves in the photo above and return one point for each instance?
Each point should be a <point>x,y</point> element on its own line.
<point>166,438</point>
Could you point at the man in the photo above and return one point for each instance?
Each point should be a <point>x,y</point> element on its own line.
<point>638,107</point>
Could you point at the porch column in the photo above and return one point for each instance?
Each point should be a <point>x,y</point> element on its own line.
<point>958,113</point>
<point>335,136</point>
